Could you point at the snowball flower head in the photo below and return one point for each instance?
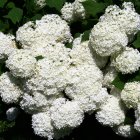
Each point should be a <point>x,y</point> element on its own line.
<point>67,12</point>
<point>50,76</point>
<point>92,102</point>
<point>81,80</point>
<point>40,3</point>
<point>131,94</point>
<point>41,124</point>
<point>21,63</point>
<point>109,75</point>
<point>126,131</point>
<point>10,91</point>
<point>7,45</point>
<point>50,29</point>
<point>66,114</point>
<point>111,113</point>
<point>128,61</point>
<point>34,103</point>
<point>137,116</point>
<point>106,38</point>
<point>126,18</point>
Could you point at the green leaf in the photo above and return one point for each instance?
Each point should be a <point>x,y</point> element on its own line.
<point>69,45</point>
<point>15,15</point>
<point>10,5</point>
<point>39,57</point>
<point>118,82</point>
<point>136,43</point>
<point>5,125</point>
<point>121,79</point>
<point>57,4</point>
<point>77,35</point>
<point>2,3</point>
<point>36,17</point>
<point>93,8</point>
<point>3,26</point>
<point>85,35</point>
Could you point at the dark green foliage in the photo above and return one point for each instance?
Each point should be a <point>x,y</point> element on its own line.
<point>93,8</point>
<point>39,57</point>
<point>15,15</point>
<point>85,35</point>
<point>136,43</point>
<point>57,4</point>
<point>121,79</point>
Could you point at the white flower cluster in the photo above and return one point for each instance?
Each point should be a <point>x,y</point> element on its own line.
<point>40,3</point>
<point>112,33</point>
<point>50,29</point>
<point>7,45</point>
<point>73,11</point>
<point>57,85</point>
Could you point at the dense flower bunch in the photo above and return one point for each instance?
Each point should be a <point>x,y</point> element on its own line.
<point>58,85</point>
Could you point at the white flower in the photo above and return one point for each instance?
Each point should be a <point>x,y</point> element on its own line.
<point>109,75</point>
<point>137,125</point>
<point>50,77</point>
<point>10,91</point>
<point>21,63</point>
<point>12,113</point>
<point>127,19</point>
<point>79,10</point>
<point>40,3</point>
<point>137,116</point>
<point>67,12</point>
<point>83,80</point>
<point>41,124</point>
<point>111,113</point>
<point>131,94</point>
<point>106,38</point>
<point>7,45</point>
<point>127,61</point>
<point>66,114</point>
<point>50,29</point>
<point>126,131</point>
<point>90,103</point>
<point>34,103</point>
<point>82,53</point>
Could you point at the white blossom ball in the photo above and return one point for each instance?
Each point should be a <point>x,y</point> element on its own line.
<point>126,131</point>
<point>50,29</point>
<point>41,124</point>
<point>128,61</point>
<point>131,94</point>
<point>110,74</point>
<point>10,90</point>
<point>111,113</point>
<point>106,38</point>
<point>21,63</point>
<point>12,113</point>
<point>81,54</point>
<point>92,102</point>
<point>7,45</point>
<point>126,18</point>
<point>137,116</point>
<point>137,125</point>
<point>66,114</point>
<point>67,12</point>
<point>79,10</point>
<point>34,103</point>
<point>83,80</point>
<point>40,3</point>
